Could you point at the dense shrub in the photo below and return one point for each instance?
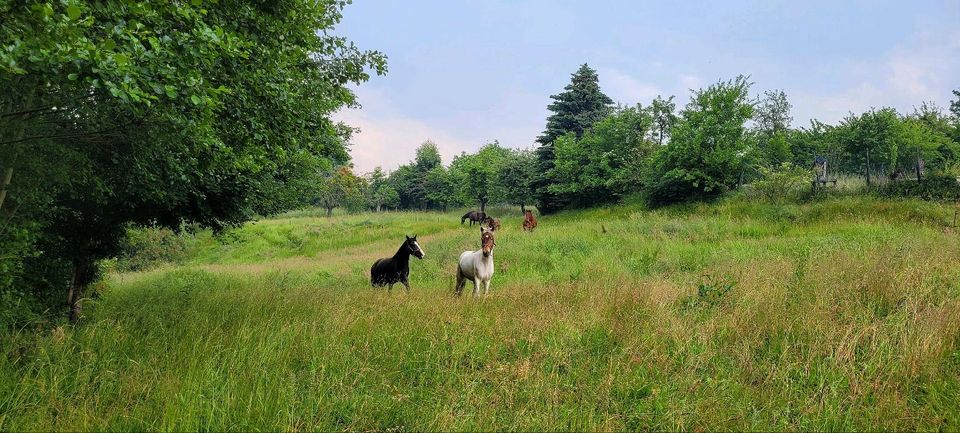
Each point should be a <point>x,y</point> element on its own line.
<point>148,247</point>
<point>781,184</point>
<point>935,188</point>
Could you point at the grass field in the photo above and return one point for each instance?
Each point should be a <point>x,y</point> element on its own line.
<point>837,315</point>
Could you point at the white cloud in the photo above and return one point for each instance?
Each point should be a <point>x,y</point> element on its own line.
<point>922,68</point>
<point>388,138</point>
<point>626,89</point>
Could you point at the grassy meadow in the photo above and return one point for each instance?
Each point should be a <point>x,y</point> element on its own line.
<point>835,315</point>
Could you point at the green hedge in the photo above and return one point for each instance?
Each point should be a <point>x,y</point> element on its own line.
<point>934,188</point>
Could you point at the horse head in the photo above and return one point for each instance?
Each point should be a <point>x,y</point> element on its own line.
<point>414,247</point>
<point>486,241</point>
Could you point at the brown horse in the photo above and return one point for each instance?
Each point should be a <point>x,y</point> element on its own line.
<point>493,223</point>
<point>529,221</point>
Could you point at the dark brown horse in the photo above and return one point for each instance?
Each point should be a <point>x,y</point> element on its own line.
<point>492,223</point>
<point>396,269</point>
<point>474,217</point>
<point>529,221</point>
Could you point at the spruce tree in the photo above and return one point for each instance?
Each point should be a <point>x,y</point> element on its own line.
<point>577,108</point>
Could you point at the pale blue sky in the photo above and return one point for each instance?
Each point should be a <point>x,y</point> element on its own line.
<point>466,72</point>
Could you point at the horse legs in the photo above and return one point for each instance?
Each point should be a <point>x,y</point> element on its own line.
<point>406,284</point>
<point>476,286</point>
<point>461,281</point>
<point>486,287</point>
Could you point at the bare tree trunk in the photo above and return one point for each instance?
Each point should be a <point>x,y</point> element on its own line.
<point>74,291</point>
<point>21,130</point>
<point>523,208</point>
<point>329,211</point>
<point>868,168</point>
<point>7,175</point>
<point>918,167</point>
<point>483,204</point>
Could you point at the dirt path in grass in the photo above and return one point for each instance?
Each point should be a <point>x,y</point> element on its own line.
<point>338,261</point>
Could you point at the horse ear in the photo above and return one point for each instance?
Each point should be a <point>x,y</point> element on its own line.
<point>414,237</point>
<point>408,237</point>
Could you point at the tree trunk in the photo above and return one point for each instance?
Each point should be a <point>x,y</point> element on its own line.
<point>329,211</point>
<point>74,291</point>
<point>7,175</point>
<point>17,136</point>
<point>483,204</point>
<point>523,208</point>
<point>918,169</point>
<point>378,207</point>
<point>868,168</point>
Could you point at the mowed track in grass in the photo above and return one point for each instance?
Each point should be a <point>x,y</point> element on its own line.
<point>838,315</point>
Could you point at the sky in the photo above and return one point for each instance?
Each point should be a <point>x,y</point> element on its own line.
<point>464,73</point>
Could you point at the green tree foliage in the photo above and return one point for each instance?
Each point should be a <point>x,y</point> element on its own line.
<point>706,148</point>
<point>476,174</point>
<point>410,180</point>
<point>439,189</point>
<point>515,178</point>
<point>663,113</point>
<point>381,194</point>
<point>606,162</point>
<point>120,112</point>
<point>428,157</point>
<point>870,140</point>
<point>772,127</point>
<point>955,105</point>
<point>818,139</point>
<point>341,188</point>
<point>404,180</point>
<point>574,110</point>
<point>782,183</point>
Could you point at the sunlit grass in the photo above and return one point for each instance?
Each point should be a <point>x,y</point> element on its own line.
<point>838,315</point>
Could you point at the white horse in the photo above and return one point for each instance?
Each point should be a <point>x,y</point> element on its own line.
<point>477,265</point>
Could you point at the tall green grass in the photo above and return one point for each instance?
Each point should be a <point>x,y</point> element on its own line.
<point>835,315</point>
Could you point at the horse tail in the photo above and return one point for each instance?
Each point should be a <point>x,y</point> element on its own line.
<point>461,280</point>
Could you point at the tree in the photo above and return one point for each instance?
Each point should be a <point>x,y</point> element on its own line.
<point>439,189</point>
<point>606,162</point>
<point>870,139</point>
<point>771,126</point>
<point>118,113</point>
<point>476,174</point>
<point>340,188</point>
<point>819,139</point>
<point>707,144</point>
<point>428,157</point>
<point>662,111</point>
<point>955,110</point>
<point>515,178</point>
<point>404,181</point>
<point>380,193</point>
<point>578,107</point>
<point>955,105</point>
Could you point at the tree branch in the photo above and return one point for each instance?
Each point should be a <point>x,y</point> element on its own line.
<point>42,137</point>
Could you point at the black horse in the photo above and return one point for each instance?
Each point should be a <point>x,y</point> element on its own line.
<point>396,269</point>
<point>474,217</point>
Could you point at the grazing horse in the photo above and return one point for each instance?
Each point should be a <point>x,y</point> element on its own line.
<point>474,217</point>
<point>529,221</point>
<point>396,269</point>
<point>492,223</point>
<point>477,265</point>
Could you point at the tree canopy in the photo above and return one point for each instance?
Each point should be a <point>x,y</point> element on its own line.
<point>120,112</point>
<point>573,111</point>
